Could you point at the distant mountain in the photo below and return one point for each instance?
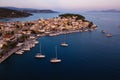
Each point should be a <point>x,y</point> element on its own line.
<point>39,11</point>
<point>110,10</point>
<point>8,13</point>
<point>30,10</point>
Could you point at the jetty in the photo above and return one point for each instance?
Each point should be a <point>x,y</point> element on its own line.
<point>17,48</point>
<point>9,53</point>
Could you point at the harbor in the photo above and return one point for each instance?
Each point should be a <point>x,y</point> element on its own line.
<point>28,32</point>
<point>19,49</point>
<point>89,55</point>
<point>30,43</point>
<point>59,40</point>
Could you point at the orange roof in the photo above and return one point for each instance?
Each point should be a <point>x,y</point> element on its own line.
<point>7,36</point>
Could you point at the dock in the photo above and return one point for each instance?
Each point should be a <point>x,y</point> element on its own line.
<point>8,54</point>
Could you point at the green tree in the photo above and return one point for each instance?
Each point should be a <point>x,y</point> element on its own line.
<point>78,16</point>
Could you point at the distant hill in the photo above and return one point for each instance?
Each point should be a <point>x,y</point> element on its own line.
<point>78,16</point>
<point>39,11</point>
<point>30,10</point>
<point>110,10</point>
<point>8,13</point>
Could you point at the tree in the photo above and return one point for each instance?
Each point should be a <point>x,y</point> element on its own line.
<point>78,16</point>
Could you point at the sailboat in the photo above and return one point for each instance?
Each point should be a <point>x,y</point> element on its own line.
<point>109,35</point>
<point>64,44</point>
<point>39,55</point>
<point>55,60</point>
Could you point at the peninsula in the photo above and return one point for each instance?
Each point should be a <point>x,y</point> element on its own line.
<point>16,36</point>
<point>31,10</point>
<point>8,13</point>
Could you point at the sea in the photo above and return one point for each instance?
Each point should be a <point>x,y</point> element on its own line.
<point>89,56</point>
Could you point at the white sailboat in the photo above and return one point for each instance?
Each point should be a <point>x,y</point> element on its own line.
<point>39,55</point>
<point>19,52</point>
<point>55,60</point>
<point>64,44</point>
<point>109,35</point>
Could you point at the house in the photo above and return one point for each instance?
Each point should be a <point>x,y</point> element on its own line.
<point>8,37</point>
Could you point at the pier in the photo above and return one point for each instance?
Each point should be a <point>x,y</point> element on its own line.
<point>9,53</point>
<point>12,51</point>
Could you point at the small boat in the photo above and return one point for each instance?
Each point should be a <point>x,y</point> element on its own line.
<point>38,35</point>
<point>64,44</point>
<point>32,37</point>
<point>91,30</point>
<point>55,60</point>
<point>32,45</point>
<point>52,34</point>
<point>86,30</point>
<point>103,31</point>
<point>39,55</point>
<point>109,35</point>
<point>36,42</point>
<point>26,48</point>
<point>19,52</point>
<point>80,30</point>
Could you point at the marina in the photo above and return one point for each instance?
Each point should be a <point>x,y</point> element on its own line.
<point>59,40</point>
<point>19,49</point>
<point>18,31</point>
<point>90,55</point>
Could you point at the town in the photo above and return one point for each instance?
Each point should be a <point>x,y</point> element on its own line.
<point>17,37</point>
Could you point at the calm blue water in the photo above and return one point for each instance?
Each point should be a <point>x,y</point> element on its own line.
<point>90,55</point>
<point>35,16</point>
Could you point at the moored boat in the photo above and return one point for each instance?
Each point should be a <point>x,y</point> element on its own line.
<point>109,35</point>
<point>55,60</point>
<point>103,31</point>
<point>39,55</point>
<point>19,52</point>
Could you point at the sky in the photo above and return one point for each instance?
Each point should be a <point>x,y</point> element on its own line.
<point>63,5</point>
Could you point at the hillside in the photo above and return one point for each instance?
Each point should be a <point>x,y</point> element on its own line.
<point>30,10</point>
<point>111,10</point>
<point>107,11</point>
<point>8,13</point>
<point>39,11</point>
<point>78,16</point>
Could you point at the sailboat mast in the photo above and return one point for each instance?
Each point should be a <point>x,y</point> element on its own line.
<point>64,38</point>
<point>40,47</point>
<point>56,51</point>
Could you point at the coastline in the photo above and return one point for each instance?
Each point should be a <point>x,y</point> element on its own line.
<point>17,48</point>
<point>11,52</point>
<point>8,54</point>
<point>41,27</point>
